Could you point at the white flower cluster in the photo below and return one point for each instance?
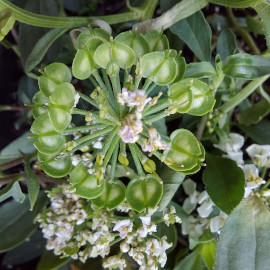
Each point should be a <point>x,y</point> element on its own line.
<point>192,226</point>
<point>61,222</point>
<point>260,155</point>
<point>75,228</point>
<point>132,124</point>
<point>134,243</point>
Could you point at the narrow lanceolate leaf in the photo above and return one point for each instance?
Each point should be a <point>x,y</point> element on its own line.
<point>196,33</point>
<point>263,9</point>
<point>236,3</point>
<point>17,222</point>
<point>244,240</point>
<point>226,44</point>
<point>41,48</point>
<point>13,189</point>
<point>224,181</point>
<point>32,184</point>
<point>246,66</point>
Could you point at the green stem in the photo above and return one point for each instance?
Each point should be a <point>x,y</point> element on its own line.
<point>146,84</point>
<point>30,18</point>
<point>69,131</point>
<point>161,105</point>
<point>116,91</point>
<point>136,159</point>
<point>244,93</point>
<point>155,117</point>
<point>113,163</point>
<point>88,99</point>
<point>113,147</point>
<point>201,127</point>
<point>178,12</point>
<point>119,239</point>
<point>90,137</point>
<point>107,144</point>
<point>109,88</point>
<point>99,79</point>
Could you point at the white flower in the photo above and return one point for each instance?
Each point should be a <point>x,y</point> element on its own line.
<point>190,202</point>
<point>131,128</point>
<point>124,227</point>
<point>76,99</point>
<point>233,143</point>
<point>124,247</point>
<point>136,98</point>
<point>114,262</point>
<point>216,223</point>
<point>79,215</point>
<point>206,205</point>
<point>154,142</point>
<point>189,186</point>
<point>260,154</point>
<point>232,147</point>
<point>252,177</point>
<point>194,227</point>
<point>147,228</point>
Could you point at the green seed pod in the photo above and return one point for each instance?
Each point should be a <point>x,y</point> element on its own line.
<point>56,168</point>
<point>47,141</point>
<point>86,184</point>
<point>144,194</point>
<point>181,95</point>
<point>203,99</point>
<point>83,63</point>
<point>185,151</point>
<point>157,41</point>
<point>160,67</point>
<point>64,96</point>
<point>7,21</point>
<point>180,67</point>
<point>135,41</point>
<point>54,74</point>
<point>113,195</point>
<point>192,96</point>
<point>39,98</point>
<point>121,53</point>
<point>88,35</point>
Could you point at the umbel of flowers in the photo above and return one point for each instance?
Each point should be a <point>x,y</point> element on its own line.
<point>126,71</point>
<point>78,229</point>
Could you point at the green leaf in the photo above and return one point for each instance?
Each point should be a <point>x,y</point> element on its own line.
<point>196,33</point>
<point>190,262</point>
<point>226,44</point>
<point>13,189</point>
<point>171,182</point>
<point>255,113</point>
<point>224,182</point>
<point>41,48</point>
<point>208,251</point>
<point>244,240</point>
<point>32,184</point>
<point>236,3</point>
<point>200,70</point>
<point>263,9</point>
<point>246,66</point>
<point>15,149</point>
<point>27,251</point>
<point>16,223</point>
<point>259,133</point>
<point>49,261</point>
<point>254,25</point>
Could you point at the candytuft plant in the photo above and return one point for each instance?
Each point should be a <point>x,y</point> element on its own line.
<point>146,135</point>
